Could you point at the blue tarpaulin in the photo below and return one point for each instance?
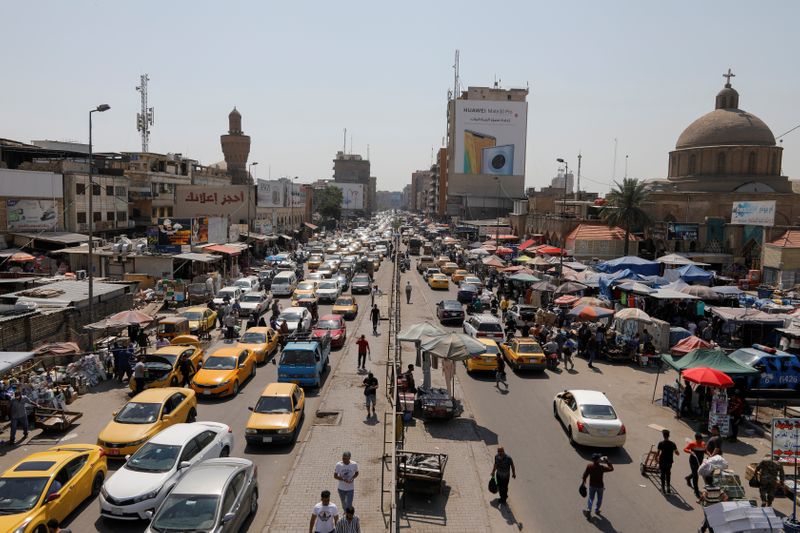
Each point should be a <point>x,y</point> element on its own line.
<point>605,280</point>
<point>629,262</point>
<point>695,274</point>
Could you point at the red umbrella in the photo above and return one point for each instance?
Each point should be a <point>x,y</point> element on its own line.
<point>503,250</point>
<point>567,299</point>
<point>708,377</point>
<point>21,257</point>
<point>133,318</point>
<point>590,312</point>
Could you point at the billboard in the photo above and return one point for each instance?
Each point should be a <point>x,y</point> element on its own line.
<point>352,194</point>
<point>490,137</point>
<point>682,232</point>
<point>173,233</point>
<point>31,214</point>
<point>753,213</point>
<point>298,198</point>
<point>200,230</point>
<point>271,193</point>
<point>233,201</point>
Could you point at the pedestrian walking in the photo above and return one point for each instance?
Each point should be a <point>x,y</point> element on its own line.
<point>566,356</point>
<point>714,444</point>
<point>500,373</point>
<point>375,316</point>
<point>363,350</point>
<point>696,450</point>
<point>325,515</point>
<point>139,370</point>
<point>350,523</point>
<point>591,349</point>
<point>187,370</point>
<point>408,292</point>
<point>770,475</point>
<point>346,471</point>
<point>370,393</point>
<point>18,413</point>
<point>503,471</point>
<point>373,294</point>
<point>230,325</point>
<point>736,409</point>
<point>686,401</point>
<point>595,472</point>
<point>667,450</point>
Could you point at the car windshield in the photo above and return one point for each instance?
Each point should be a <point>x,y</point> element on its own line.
<point>243,283</point>
<point>327,285</point>
<point>469,288</point>
<point>216,362</point>
<point>253,338</point>
<point>361,279</point>
<point>490,326</point>
<point>328,324</point>
<point>306,286</point>
<point>251,298</point>
<point>290,316</point>
<point>451,305</point>
<point>297,357</point>
<point>529,348</point>
<point>225,292</point>
<point>138,413</point>
<point>274,404</point>
<point>603,412</point>
<point>154,458</point>
<point>344,301</point>
<point>186,512</point>
<point>19,494</point>
<point>192,315</point>
<point>491,350</point>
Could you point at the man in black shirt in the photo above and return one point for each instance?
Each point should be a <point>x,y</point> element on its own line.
<point>370,392</point>
<point>714,444</point>
<point>503,470</point>
<point>666,452</point>
<point>500,373</point>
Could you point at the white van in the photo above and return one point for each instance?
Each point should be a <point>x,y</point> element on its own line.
<point>284,284</point>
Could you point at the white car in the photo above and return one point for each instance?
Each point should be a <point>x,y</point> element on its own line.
<point>484,326</point>
<point>148,475</point>
<point>328,290</point>
<point>254,303</point>
<point>590,418</point>
<point>296,318</point>
<point>232,293</point>
<point>247,283</point>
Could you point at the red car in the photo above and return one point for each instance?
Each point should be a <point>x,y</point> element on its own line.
<point>333,325</point>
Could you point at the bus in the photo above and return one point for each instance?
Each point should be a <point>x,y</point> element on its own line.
<point>414,244</point>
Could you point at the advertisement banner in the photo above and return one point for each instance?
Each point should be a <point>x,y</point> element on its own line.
<point>754,213</point>
<point>352,195</point>
<point>490,137</point>
<point>173,233</point>
<point>263,226</point>
<point>31,214</point>
<point>217,230</point>
<point>682,232</point>
<point>200,201</point>
<point>298,198</point>
<point>271,193</point>
<point>785,439</point>
<point>200,230</point>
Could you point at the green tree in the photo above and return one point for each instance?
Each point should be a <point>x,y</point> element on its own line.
<point>330,203</point>
<point>625,207</point>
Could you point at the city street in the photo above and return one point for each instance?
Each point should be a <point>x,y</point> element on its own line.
<point>273,462</point>
<point>544,496</point>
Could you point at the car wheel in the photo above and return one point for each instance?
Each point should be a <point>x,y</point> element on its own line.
<point>225,452</point>
<point>235,388</point>
<point>555,411</point>
<point>97,484</point>
<point>254,502</point>
<point>192,416</point>
<point>569,435</point>
<point>40,529</point>
<point>253,372</point>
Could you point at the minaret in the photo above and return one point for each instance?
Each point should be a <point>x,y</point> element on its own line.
<point>236,148</point>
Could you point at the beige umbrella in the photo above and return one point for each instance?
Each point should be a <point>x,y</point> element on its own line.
<point>453,346</point>
<point>633,313</point>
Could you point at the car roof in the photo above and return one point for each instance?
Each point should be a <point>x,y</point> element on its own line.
<point>332,317</point>
<point>294,308</point>
<point>258,329</point>
<point>526,340</point>
<point>210,477</point>
<point>486,318</point>
<point>589,397</point>
<point>195,308</point>
<point>487,342</point>
<point>227,351</point>
<point>179,433</point>
<point>157,394</point>
<point>279,389</point>
<point>49,461</point>
<point>176,349</point>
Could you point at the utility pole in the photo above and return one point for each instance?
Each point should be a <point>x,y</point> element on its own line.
<point>578,189</point>
<point>99,109</point>
<point>144,119</point>
<point>497,226</point>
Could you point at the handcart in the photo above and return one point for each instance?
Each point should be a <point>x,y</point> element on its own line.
<point>649,462</point>
<point>436,404</point>
<point>420,472</point>
<point>54,420</point>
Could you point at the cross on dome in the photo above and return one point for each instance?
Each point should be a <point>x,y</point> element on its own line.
<point>729,75</point>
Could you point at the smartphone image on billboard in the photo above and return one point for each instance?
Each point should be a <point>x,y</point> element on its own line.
<point>498,160</point>
<point>474,144</point>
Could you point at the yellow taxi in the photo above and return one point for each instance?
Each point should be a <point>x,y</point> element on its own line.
<point>49,485</point>
<point>438,281</point>
<point>143,416</point>
<point>201,319</point>
<point>305,289</point>
<point>224,371</point>
<point>459,275</point>
<point>442,260</point>
<point>314,262</point>
<point>345,305</point>
<point>487,361</point>
<point>449,267</point>
<point>261,341</point>
<point>162,366</point>
<point>277,415</point>
<point>524,353</point>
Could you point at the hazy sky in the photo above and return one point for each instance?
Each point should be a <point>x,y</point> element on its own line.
<point>300,72</point>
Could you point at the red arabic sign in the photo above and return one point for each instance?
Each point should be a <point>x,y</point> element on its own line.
<point>236,202</point>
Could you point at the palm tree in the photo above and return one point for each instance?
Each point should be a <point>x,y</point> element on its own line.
<point>624,207</point>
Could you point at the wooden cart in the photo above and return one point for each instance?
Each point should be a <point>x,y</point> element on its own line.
<point>54,420</point>
<point>649,462</point>
<point>420,472</point>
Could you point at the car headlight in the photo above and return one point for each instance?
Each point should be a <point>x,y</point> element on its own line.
<point>251,431</point>
<point>134,443</point>
<point>104,492</point>
<point>284,431</point>
<point>145,497</point>
<point>23,525</point>
<point>224,383</point>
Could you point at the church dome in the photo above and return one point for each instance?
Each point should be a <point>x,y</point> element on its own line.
<point>726,125</point>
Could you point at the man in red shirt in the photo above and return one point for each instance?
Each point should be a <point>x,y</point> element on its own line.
<point>363,349</point>
<point>594,471</point>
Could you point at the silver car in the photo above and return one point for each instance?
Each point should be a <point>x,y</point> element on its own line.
<point>215,496</point>
<point>254,303</point>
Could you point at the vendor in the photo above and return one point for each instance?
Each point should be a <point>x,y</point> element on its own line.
<point>408,376</point>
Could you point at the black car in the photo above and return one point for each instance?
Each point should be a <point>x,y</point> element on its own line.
<point>467,293</point>
<point>450,311</point>
<point>361,284</point>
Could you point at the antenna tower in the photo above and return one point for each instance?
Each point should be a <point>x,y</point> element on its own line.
<point>456,80</point>
<point>144,119</point>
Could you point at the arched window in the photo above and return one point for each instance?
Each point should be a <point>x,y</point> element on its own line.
<point>751,163</point>
<point>692,164</point>
<point>721,163</point>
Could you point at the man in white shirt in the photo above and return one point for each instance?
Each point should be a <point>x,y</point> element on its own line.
<point>346,471</point>
<point>324,516</point>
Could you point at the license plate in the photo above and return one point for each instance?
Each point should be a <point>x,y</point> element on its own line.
<point>116,511</point>
<point>266,439</point>
<point>113,451</point>
<point>207,392</point>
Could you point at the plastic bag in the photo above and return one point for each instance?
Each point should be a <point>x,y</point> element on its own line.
<point>493,485</point>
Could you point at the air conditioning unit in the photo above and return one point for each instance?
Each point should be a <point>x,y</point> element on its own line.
<point>117,248</point>
<point>141,248</point>
<point>80,274</point>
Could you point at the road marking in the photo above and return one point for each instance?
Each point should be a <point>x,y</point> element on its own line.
<point>656,427</point>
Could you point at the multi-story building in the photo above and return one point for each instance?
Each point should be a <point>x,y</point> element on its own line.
<point>352,168</point>
<point>418,196</point>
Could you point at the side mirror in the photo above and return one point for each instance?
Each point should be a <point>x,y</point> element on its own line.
<point>228,518</point>
<point>249,408</point>
<point>127,458</point>
<point>52,497</point>
<point>298,408</point>
<point>184,464</point>
<point>149,514</point>
<point>166,416</point>
<point>114,413</point>
<point>242,365</point>
<point>274,362</point>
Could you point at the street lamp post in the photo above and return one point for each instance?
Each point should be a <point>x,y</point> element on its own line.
<point>563,219</point>
<point>497,224</point>
<point>99,109</point>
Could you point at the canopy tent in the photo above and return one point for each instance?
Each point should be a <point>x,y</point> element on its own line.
<point>452,346</point>
<point>633,313</point>
<point>522,259</point>
<point>550,250</point>
<point>9,360</point>
<point>678,334</point>
<point>524,278</point>
<point>727,290</point>
<point>592,300</point>
<point>22,257</point>
<point>688,344</point>
<point>604,281</point>
<point>503,250</point>
<point>478,251</point>
<point>570,287</point>
<point>417,331</point>
<point>634,264</point>
<point>493,261</point>
<point>745,315</point>
<point>695,274</point>
<point>543,286</point>
<point>567,299</point>
<point>576,265</point>
<point>590,312</point>
<point>715,359</point>
<point>700,291</point>
<point>664,293</point>
<point>538,261</point>
<point>525,245</point>
<point>676,259</point>
<point>635,287</point>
